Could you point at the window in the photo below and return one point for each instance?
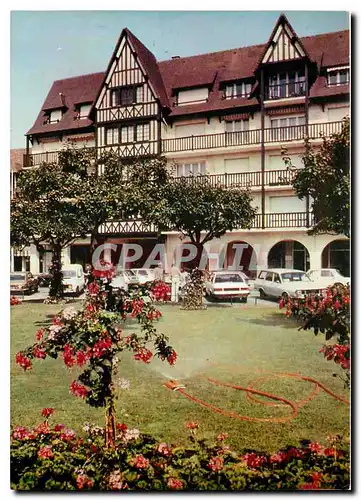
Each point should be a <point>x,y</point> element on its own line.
<point>241,89</point>
<point>326,273</point>
<point>53,116</point>
<point>277,278</point>
<point>188,169</point>
<point>192,96</point>
<point>142,132</point>
<point>338,77</point>
<point>83,111</point>
<point>190,129</point>
<point>127,134</point>
<point>237,126</point>
<point>262,275</point>
<point>286,84</point>
<point>126,96</point>
<point>269,276</point>
<point>288,128</point>
<point>112,136</point>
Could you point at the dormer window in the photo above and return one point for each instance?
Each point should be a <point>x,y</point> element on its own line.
<point>82,111</point>
<point>286,84</point>
<point>127,96</point>
<point>192,96</point>
<point>240,89</point>
<point>338,76</point>
<point>53,116</point>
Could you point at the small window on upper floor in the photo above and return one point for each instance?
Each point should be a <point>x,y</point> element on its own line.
<point>237,126</point>
<point>53,116</point>
<point>339,76</point>
<point>126,96</point>
<point>82,111</point>
<point>189,169</point>
<point>240,89</point>
<point>192,96</point>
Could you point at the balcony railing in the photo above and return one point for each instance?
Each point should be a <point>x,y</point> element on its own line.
<point>245,179</point>
<point>283,220</point>
<point>285,90</point>
<point>250,137</point>
<point>131,226</point>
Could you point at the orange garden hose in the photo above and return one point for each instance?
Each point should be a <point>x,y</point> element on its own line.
<point>251,392</point>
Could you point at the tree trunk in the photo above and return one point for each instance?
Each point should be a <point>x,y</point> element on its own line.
<point>56,289</point>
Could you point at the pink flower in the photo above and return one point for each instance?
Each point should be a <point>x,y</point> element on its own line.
<point>39,334</point>
<point>222,436</point>
<point>83,481</point>
<point>174,484</point>
<point>39,353</point>
<point>172,358</point>
<point>336,305</point>
<point>45,452</point>
<point>278,458</point>
<point>42,428</point>
<point>144,355</point>
<point>164,449</point>
<point>58,427</point>
<point>23,361</point>
<point>216,464</point>
<point>20,433</point>
<point>46,412</point>
<point>140,462</point>
<point>67,435</point>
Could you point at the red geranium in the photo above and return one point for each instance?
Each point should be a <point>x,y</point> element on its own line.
<point>216,464</point>
<point>140,462</point>
<point>23,361</point>
<point>191,425</point>
<point>68,356</point>
<point>174,484</point>
<point>45,452</point>
<point>144,355</point>
<point>78,390</point>
<point>83,481</point>
<point>46,412</point>
<point>172,358</point>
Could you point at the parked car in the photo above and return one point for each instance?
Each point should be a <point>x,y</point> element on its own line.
<point>73,279</point>
<point>44,279</point>
<point>227,284</point>
<point>124,278</point>
<point>23,282</point>
<point>329,276</point>
<point>286,283</point>
<point>144,275</point>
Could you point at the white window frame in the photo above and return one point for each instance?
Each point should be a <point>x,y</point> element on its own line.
<point>274,86</point>
<point>236,126</point>
<point>338,71</point>
<point>112,136</point>
<point>142,130</point>
<point>191,168</point>
<point>240,89</point>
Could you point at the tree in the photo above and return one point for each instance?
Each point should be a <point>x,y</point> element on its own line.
<point>195,207</point>
<point>325,178</point>
<point>59,202</point>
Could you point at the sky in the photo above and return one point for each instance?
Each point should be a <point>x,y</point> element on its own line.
<point>50,45</point>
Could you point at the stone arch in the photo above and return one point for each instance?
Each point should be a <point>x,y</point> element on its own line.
<point>336,254</point>
<point>289,253</point>
<point>241,255</point>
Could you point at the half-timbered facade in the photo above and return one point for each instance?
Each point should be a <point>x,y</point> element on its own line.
<point>225,115</point>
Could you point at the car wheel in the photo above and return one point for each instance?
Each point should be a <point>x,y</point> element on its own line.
<point>77,292</point>
<point>262,294</point>
<point>244,300</point>
<point>36,289</point>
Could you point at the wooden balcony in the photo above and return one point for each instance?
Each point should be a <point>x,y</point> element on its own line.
<point>271,221</point>
<point>250,137</point>
<point>280,177</point>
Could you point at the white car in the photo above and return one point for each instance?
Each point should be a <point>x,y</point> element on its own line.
<point>73,279</point>
<point>124,278</point>
<point>144,275</point>
<point>286,283</point>
<point>227,284</point>
<point>329,276</point>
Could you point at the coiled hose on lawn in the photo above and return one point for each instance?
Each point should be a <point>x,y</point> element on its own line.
<point>251,393</point>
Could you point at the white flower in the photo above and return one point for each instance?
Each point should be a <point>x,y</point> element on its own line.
<point>115,480</point>
<point>131,434</point>
<point>53,330</point>
<point>123,383</point>
<point>69,313</point>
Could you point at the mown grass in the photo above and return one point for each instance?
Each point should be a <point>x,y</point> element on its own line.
<point>235,345</point>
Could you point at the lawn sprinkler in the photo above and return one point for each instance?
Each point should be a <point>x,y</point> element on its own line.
<point>173,385</point>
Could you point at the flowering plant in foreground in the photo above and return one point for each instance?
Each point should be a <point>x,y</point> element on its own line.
<point>14,301</point>
<point>92,338</point>
<point>52,457</point>
<point>329,314</point>
<point>161,291</point>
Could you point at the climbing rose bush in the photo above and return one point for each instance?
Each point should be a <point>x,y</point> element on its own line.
<point>161,292</point>
<point>329,314</point>
<point>52,457</point>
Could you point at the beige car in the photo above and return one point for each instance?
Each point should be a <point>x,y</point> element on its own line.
<point>23,282</point>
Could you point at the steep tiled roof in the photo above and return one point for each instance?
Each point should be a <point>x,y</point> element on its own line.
<point>329,49</point>
<point>75,90</point>
<point>16,159</point>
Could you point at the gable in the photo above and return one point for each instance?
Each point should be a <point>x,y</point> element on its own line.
<point>283,46</point>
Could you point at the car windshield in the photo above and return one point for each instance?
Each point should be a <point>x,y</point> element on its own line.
<point>226,278</point>
<point>17,277</point>
<point>142,272</point>
<point>294,276</point>
<point>69,273</point>
<point>129,273</point>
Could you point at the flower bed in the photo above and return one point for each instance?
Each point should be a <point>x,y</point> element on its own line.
<point>14,301</point>
<point>52,457</point>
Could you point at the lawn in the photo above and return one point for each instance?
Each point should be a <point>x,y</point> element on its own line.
<point>235,345</point>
